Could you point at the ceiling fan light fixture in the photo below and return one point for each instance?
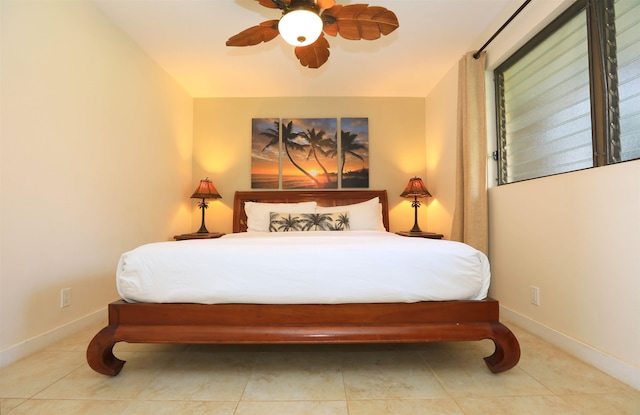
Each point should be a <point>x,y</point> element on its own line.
<point>300,27</point>
<point>303,22</point>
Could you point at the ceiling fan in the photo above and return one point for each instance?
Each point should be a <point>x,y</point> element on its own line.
<point>305,22</point>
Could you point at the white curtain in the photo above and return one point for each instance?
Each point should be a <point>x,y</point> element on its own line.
<point>470,218</point>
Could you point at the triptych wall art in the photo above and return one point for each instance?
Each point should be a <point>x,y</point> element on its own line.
<point>309,153</point>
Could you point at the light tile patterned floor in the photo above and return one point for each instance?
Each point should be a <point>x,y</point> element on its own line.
<point>437,378</point>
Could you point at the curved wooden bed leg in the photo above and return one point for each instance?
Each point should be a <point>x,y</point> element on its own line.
<point>100,353</point>
<point>507,353</point>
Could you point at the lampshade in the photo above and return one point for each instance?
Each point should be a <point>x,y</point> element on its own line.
<point>206,190</point>
<point>300,27</point>
<point>415,188</point>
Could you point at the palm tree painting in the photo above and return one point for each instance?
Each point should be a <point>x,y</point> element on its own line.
<point>304,153</point>
<point>354,153</point>
<point>307,144</point>
<point>293,222</point>
<point>265,153</point>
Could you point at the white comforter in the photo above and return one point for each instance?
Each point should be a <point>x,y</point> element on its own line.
<point>303,267</point>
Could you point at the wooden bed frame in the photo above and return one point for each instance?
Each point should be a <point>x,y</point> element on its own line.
<point>436,321</point>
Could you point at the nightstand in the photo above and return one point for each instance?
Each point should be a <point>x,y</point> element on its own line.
<point>185,236</point>
<point>429,235</point>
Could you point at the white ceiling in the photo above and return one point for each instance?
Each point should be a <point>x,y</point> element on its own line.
<point>187,38</point>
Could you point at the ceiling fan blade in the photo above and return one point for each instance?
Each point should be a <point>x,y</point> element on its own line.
<point>264,32</point>
<point>274,4</point>
<point>315,54</point>
<point>326,4</point>
<point>361,21</point>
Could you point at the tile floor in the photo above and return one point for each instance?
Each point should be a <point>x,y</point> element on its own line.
<point>445,379</point>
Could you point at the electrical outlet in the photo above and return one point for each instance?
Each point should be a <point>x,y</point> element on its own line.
<point>65,297</point>
<point>534,295</point>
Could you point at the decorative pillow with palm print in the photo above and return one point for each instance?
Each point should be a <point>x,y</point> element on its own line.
<point>258,213</point>
<point>308,222</point>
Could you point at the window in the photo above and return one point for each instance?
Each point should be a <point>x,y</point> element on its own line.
<point>627,40</point>
<point>570,98</point>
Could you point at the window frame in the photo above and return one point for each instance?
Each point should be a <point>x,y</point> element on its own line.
<point>603,88</point>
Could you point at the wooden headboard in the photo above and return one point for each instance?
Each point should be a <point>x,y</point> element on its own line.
<point>322,197</point>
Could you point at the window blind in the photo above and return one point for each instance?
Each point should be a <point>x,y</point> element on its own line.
<point>627,16</point>
<point>545,106</point>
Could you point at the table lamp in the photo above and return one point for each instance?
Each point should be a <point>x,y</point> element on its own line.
<point>415,189</point>
<point>206,190</point>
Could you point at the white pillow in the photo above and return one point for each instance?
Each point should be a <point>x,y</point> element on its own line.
<point>363,216</point>
<point>258,213</point>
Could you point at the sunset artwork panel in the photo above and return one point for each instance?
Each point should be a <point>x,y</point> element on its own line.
<point>354,153</point>
<point>309,153</point>
<point>265,153</point>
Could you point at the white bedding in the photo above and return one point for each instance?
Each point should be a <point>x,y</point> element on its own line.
<point>303,267</point>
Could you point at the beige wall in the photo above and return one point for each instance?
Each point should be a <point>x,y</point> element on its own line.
<point>222,146</point>
<point>575,236</point>
<point>96,159</point>
<point>441,116</point>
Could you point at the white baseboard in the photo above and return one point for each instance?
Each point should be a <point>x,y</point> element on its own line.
<point>606,363</point>
<point>44,340</point>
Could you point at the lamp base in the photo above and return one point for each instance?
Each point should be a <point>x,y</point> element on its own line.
<point>415,204</point>
<point>203,205</point>
<point>202,229</point>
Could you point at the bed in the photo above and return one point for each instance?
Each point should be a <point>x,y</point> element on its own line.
<point>302,320</point>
